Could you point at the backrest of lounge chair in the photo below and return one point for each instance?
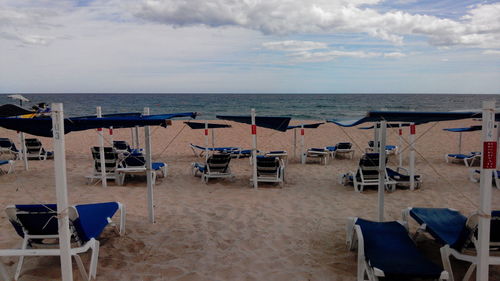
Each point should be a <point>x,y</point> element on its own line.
<point>219,162</point>
<point>371,143</point>
<point>7,145</point>
<point>135,160</point>
<point>33,145</point>
<point>369,160</point>
<point>344,145</point>
<point>87,221</point>
<point>267,164</point>
<point>110,158</point>
<point>121,145</point>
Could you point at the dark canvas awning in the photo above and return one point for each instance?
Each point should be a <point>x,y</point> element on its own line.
<point>466,129</point>
<point>43,126</point>
<point>198,125</point>
<point>307,126</point>
<point>8,110</point>
<point>413,116</point>
<point>270,122</point>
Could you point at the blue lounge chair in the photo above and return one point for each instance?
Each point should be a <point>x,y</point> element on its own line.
<point>281,154</point>
<point>37,225</point>
<point>135,164</point>
<point>332,150</point>
<point>122,147</point>
<point>456,233</point>
<point>386,251</point>
<point>7,147</point>
<point>468,159</point>
<point>270,169</point>
<point>367,174</point>
<point>318,153</point>
<point>7,163</point>
<point>401,178</point>
<point>35,150</point>
<point>199,151</point>
<point>216,166</point>
<point>389,149</point>
<point>344,148</point>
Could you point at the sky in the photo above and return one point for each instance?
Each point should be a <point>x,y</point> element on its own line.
<point>250,46</point>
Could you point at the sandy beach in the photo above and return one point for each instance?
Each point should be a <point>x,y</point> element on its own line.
<point>226,230</point>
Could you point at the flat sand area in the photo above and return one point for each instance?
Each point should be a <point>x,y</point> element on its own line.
<point>225,230</point>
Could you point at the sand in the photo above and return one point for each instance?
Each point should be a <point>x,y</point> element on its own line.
<point>225,230</point>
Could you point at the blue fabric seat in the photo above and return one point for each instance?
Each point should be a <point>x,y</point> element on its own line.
<point>388,248</point>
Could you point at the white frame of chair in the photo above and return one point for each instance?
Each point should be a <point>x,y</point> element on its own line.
<point>316,154</point>
<point>388,152</point>
<point>10,152</point>
<point>278,178</point>
<point>24,251</point>
<point>418,182</point>
<point>390,185</point>
<point>446,251</point>
<point>468,161</point>
<point>354,239</point>
<point>139,170</point>
<point>10,163</point>
<point>283,155</point>
<point>97,175</point>
<point>350,151</point>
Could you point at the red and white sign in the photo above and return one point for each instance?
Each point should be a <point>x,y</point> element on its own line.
<point>301,132</point>
<point>489,155</point>
<point>254,129</point>
<point>413,129</point>
<point>206,132</point>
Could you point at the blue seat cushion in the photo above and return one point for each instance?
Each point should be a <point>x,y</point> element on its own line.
<point>157,165</point>
<point>389,248</point>
<point>3,162</point>
<point>200,167</point>
<point>331,148</point>
<point>317,149</point>
<point>390,147</point>
<point>445,225</point>
<point>460,156</point>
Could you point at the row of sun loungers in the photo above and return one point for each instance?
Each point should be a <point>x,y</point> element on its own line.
<point>34,149</point>
<point>385,249</point>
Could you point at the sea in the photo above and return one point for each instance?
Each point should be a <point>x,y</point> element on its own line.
<point>297,106</point>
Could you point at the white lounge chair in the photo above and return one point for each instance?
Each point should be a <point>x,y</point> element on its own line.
<point>134,164</point>
<point>318,153</point>
<point>367,174</point>
<point>281,154</point>
<point>111,163</point>
<point>401,176</point>
<point>270,169</point>
<point>216,166</point>
<point>38,226</point>
<point>7,147</point>
<point>389,149</point>
<point>475,176</point>
<point>468,159</point>
<point>344,148</point>
<point>35,150</point>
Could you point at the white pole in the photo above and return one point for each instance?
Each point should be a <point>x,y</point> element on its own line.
<point>206,141</point>
<point>24,153</point>
<point>254,150</point>
<point>132,134</point>
<point>137,143</point>
<point>400,150</point>
<point>459,142</point>
<point>381,170</point>
<point>61,190</point>
<point>488,165</point>
<point>149,172</point>
<point>412,156</point>
<point>302,141</point>
<point>111,135</point>
<point>213,137</point>
<point>101,150</point>
<point>295,143</point>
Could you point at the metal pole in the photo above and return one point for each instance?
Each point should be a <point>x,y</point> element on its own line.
<point>101,151</point>
<point>302,152</point>
<point>488,165</point>
<point>149,172</point>
<point>61,190</point>
<point>206,141</point>
<point>412,156</point>
<point>137,143</point>
<point>381,170</point>
<point>213,138</point>
<point>111,135</point>
<point>254,150</point>
<point>295,143</point>
<point>400,150</point>
<point>24,153</point>
<point>376,141</point>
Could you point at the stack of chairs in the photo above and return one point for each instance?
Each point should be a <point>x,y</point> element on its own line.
<point>270,169</point>
<point>111,163</point>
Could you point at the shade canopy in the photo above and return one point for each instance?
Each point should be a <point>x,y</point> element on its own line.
<point>270,122</point>
<point>307,126</point>
<point>18,97</point>
<point>43,126</point>
<point>9,110</point>
<point>466,129</point>
<point>198,125</point>
<point>413,116</point>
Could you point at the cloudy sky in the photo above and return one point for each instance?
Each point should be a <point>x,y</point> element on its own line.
<point>250,46</point>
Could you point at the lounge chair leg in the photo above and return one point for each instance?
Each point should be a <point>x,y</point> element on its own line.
<point>93,261</point>
<point>24,245</point>
<point>469,272</point>
<point>445,259</point>
<point>81,268</point>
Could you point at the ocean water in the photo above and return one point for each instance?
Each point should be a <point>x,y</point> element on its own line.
<point>297,106</point>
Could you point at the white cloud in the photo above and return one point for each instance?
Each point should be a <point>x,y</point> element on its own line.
<point>394,55</point>
<point>294,45</point>
<point>478,28</point>
<point>491,52</point>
